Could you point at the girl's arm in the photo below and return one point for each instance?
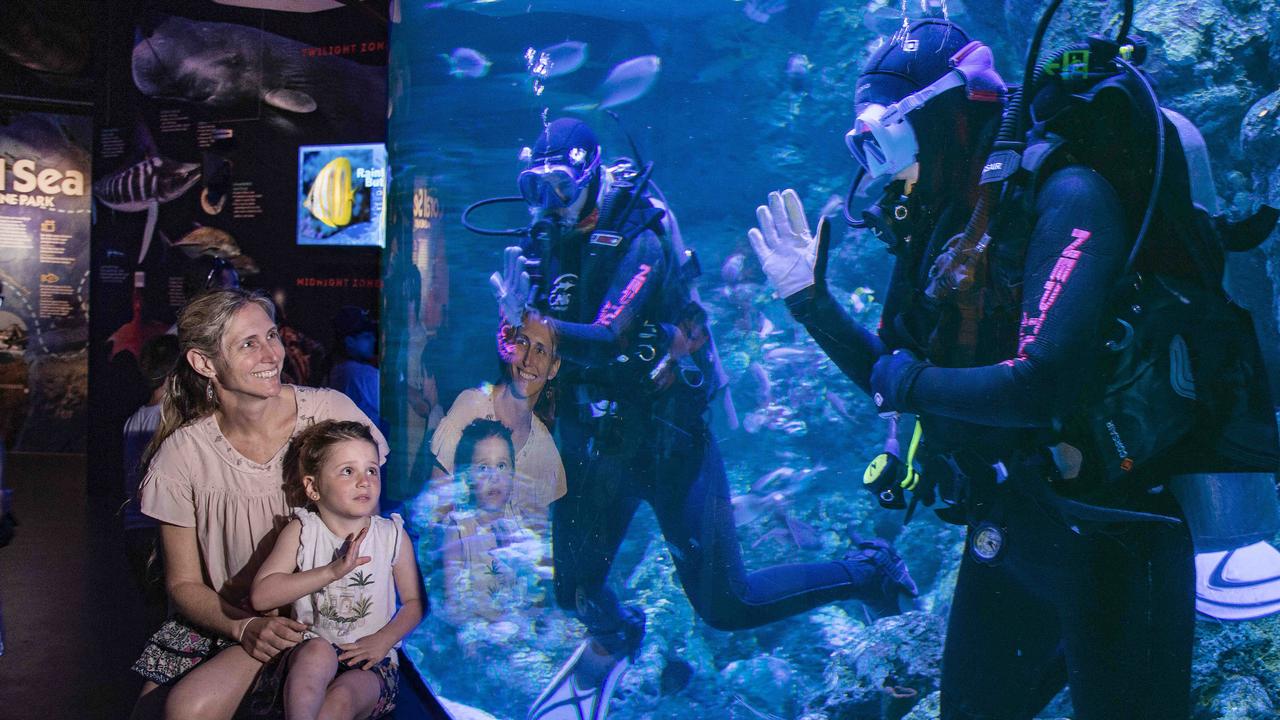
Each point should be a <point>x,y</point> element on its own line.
<point>370,650</point>
<point>277,584</point>
<point>261,637</point>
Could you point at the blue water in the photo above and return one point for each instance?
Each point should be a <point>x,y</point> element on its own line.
<point>739,107</point>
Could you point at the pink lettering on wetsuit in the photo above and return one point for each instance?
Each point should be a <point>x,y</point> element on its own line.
<point>610,311</point>
<point>1052,290</point>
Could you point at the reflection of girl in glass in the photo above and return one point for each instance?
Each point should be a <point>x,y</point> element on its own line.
<point>480,579</point>
<point>522,403</point>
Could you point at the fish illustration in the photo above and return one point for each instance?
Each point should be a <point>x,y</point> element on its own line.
<point>331,195</point>
<point>208,241</point>
<point>560,59</point>
<point>627,81</point>
<point>46,37</point>
<point>465,62</point>
<point>153,180</point>
<point>247,72</point>
<point>245,265</point>
<point>297,6</point>
<point>131,336</point>
<point>144,186</point>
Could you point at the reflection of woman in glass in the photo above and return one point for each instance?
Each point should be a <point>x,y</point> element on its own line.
<point>480,582</point>
<point>521,402</point>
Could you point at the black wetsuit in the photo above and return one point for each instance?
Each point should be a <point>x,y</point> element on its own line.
<point>1109,609</point>
<point>666,458</point>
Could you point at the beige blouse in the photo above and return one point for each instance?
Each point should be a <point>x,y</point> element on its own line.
<point>540,475</point>
<point>197,479</point>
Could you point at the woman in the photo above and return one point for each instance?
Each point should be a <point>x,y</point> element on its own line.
<point>518,401</point>
<point>214,481</point>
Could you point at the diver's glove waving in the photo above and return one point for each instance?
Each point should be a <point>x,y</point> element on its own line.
<point>792,258</point>
<point>512,287</point>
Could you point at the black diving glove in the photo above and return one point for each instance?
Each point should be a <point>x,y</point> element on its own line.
<point>891,379</point>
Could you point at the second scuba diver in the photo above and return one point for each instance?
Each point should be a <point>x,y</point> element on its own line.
<point>639,373</point>
<point>1078,564</point>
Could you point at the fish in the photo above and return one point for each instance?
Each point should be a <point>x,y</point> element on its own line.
<point>886,21</point>
<point>798,67</point>
<point>762,388</point>
<point>833,207</point>
<point>774,534</point>
<point>752,506</point>
<point>840,406</point>
<point>154,179</point>
<point>297,6</point>
<point>144,186</point>
<point>627,81</point>
<point>762,10</point>
<point>629,12</point>
<point>244,71</point>
<point>764,481</point>
<point>560,59</point>
<point>785,354</point>
<point>804,534</point>
<point>731,270</point>
<point>131,336</point>
<point>331,195</point>
<point>245,265</point>
<point>862,298</point>
<point>208,241</point>
<point>46,37</point>
<point>468,63</point>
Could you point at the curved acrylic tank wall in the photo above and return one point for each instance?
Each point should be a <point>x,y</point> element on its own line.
<point>741,98</point>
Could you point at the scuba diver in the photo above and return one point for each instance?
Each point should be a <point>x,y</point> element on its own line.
<point>1087,399</point>
<point>605,263</point>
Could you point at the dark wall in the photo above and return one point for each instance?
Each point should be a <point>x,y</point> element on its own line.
<point>201,108</point>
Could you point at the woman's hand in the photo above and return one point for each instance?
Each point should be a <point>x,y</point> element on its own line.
<point>365,652</point>
<point>349,557</point>
<point>264,637</point>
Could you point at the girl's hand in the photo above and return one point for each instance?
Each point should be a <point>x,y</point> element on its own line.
<point>349,557</point>
<point>264,637</point>
<point>365,652</point>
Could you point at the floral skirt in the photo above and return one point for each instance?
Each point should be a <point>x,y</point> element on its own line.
<point>175,649</point>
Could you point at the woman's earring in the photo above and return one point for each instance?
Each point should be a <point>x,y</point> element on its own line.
<point>208,391</point>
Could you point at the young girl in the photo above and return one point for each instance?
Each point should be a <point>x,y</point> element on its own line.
<point>336,565</point>
<point>481,576</point>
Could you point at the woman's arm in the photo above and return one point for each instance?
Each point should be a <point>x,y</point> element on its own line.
<point>278,583</point>
<point>184,580</point>
<point>369,651</point>
<point>261,637</point>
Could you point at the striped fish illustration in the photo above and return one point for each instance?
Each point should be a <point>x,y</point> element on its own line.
<point>331,195</point>
<point>155,179</point>
<point>143,186</point>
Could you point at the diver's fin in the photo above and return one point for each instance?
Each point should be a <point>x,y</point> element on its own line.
<point>565,699</point>
<point>1249,233</point>
<point>1239,584</point>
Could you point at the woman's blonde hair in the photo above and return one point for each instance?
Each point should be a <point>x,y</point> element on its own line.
<point>201,327</point>
<point>307,452</point>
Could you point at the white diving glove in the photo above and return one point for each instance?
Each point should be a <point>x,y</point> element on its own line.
<point>512,287</point>
<point>792,257</point>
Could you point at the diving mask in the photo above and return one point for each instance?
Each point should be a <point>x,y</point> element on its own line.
<point>882,139</point>
<point>553,183</point>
